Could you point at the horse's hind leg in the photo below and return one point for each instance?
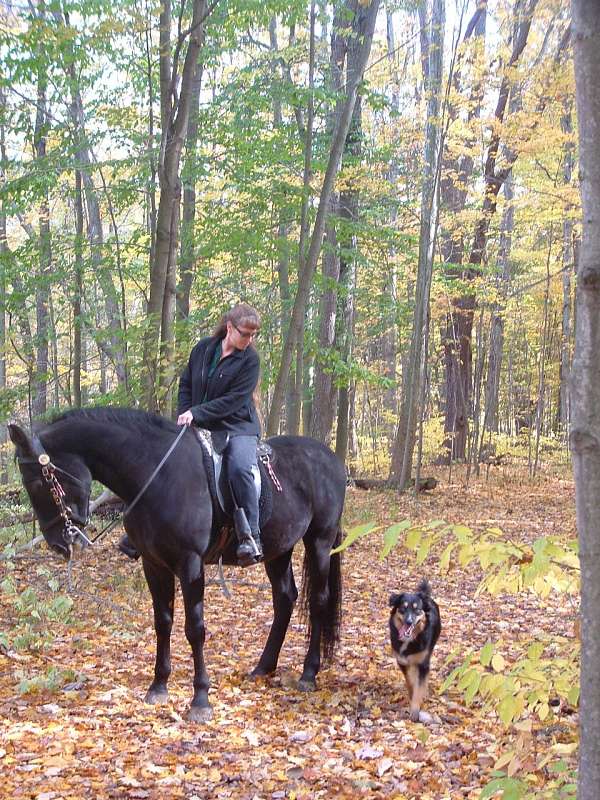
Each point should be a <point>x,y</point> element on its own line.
<point>285,595</point>
<point>322,605</point>
<point>161,583</point>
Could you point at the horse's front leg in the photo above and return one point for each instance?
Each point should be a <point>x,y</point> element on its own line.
<point>191,578</point>
<point>161,583</point>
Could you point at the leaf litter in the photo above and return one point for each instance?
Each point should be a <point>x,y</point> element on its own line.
<point>351,738</point>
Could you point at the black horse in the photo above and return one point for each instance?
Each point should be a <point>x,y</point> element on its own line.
<point>171,524</point>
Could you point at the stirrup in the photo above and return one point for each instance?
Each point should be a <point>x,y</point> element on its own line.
<point>249,552</point>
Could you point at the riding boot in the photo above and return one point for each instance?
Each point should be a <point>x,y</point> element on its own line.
<point>249,550</point>
<point>125,546</point>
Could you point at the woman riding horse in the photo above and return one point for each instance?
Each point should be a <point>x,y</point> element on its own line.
<point>216,392</point>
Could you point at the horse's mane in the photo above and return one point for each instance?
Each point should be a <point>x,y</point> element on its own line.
<point>131,418</point>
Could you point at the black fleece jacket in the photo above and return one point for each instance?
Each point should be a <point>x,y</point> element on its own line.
<point>223,403</point>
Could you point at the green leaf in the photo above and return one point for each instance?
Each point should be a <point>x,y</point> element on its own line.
<point>355,533</point>
<point>413,538</point>
<point>424,549</point>
<point>511,789</point>
<point>390,538</point>
<point>485,656</point>
<point>462,533</point>
<point>507,709</point>
<point>573,695</point>
<point>473,688</point>
<point>445,557</point>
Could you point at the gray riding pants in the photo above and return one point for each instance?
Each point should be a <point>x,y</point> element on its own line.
<point>240,456</point>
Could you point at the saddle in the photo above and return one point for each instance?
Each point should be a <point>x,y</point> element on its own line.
<point>223,540</point>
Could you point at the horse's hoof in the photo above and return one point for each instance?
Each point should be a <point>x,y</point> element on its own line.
<point>155,698</point>
<point>307,686</point>
<point>258,674</point>
<point>200,714</point>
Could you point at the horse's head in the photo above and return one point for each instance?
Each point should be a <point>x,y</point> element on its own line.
<point>58,486</point>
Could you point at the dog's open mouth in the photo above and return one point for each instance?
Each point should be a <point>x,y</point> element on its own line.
<point>409,630</point>
<point>406,631</point>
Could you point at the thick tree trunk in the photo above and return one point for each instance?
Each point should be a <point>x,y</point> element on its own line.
<point>585,388</point>
<point>364,25</point>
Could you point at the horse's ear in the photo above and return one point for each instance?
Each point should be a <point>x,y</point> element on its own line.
<point>21,440</point>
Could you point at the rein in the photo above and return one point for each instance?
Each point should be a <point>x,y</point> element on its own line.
<point>115,522</point>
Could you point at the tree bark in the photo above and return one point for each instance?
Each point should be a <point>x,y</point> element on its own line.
<point>39,402</point>
<point>563,414</point>
<point>175,111</point>
<point>113,342</point>
<point>186,267</point>
<point>585,388</point>
<point>78,292</point>
<point>364,24</point>
<point>324,388</point>
<point>432,48</point>
<point>496,347</point>
<point>457,344</point>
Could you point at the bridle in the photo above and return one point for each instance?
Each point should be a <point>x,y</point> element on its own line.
<point>71,532</point>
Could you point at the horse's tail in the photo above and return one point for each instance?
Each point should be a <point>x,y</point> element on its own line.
<point>332,614</point>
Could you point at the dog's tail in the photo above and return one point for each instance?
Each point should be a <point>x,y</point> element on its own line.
<point>424,588</point>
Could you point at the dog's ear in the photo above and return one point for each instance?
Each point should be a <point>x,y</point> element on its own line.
<point>395,600</point>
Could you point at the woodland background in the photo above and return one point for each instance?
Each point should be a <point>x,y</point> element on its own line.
<point>146,188</point>
<point>394,187</point>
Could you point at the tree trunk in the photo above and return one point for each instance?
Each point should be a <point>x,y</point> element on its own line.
<point>432,48</point>
<point>364,25</point>
<point>39,400</point>
<point>585,388</point>
<point>457,344</point>
<point>113,342</point>
<point>175,113</point>
<point>492,387</point>
<point>563,415</point>
<point>186,267</point>
<point>324,389</point>
<point>78,292</point>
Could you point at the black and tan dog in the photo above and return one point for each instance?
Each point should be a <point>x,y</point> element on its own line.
<point>414,629</point>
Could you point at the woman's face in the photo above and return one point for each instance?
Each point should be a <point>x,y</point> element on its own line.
<point>240,336</point>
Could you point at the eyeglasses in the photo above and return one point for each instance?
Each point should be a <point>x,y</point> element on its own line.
<point>245,334</point>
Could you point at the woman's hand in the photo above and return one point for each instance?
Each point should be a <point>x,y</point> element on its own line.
<point>186,418</point>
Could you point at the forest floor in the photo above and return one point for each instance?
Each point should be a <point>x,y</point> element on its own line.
<point>85,732</point>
